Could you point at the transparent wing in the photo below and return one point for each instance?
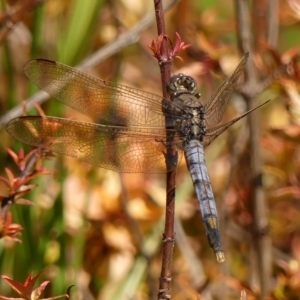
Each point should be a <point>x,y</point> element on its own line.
<point>105,102</point>
<point>214,132</point>
<point>216,104</point>
<point>121,149</point>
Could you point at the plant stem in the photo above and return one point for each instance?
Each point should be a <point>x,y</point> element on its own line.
<point>171,155</point>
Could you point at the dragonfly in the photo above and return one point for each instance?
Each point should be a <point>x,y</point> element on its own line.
<point>133,129</point>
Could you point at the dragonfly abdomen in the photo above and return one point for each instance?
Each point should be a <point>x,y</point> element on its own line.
<point>194,155</point>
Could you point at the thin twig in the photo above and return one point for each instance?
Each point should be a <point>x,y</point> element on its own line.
<point>260,235</point>
<point>262,85</point>
<point>171,155</point>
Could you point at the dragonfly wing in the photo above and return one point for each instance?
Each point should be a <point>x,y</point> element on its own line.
<point>216,104</point>
<point>121,149</point>
<point>214,132</point>
<point>104,101</point>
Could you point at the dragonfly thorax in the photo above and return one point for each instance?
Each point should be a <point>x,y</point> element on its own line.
<point>185,101</point>
<point>191,124</point>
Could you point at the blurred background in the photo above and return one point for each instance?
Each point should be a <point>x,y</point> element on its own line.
<point>102,231</point>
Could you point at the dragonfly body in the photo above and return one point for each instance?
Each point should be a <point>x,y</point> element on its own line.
<point>133,129</point>
<point>194,155</point>
<point>192,126</point>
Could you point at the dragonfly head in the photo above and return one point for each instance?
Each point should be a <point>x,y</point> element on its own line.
<point>181,84</point>
<point>182,90</point>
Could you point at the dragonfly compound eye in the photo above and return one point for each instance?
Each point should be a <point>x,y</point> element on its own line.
<point>181,83</point>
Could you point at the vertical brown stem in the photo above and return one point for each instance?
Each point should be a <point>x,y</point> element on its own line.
<point>261,241</point>
<point>273,23</point>
<point>168,235</point>
<point>165,62</point>
<point>259,13</point>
